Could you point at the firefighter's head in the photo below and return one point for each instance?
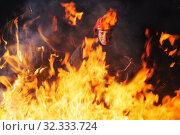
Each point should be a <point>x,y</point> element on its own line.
<point>104,27</point>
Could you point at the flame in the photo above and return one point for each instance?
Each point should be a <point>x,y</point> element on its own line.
<point>172,52</point>
<point>17,39</point>
<point>71,14</point>
<point>5,42</point>
<point>107,21</point>
<point>171,38</point>
<point>110,18</point>
<point>87,93</point>
<point>84,94</point>
<point>147,45</point>
<point>172,64</point>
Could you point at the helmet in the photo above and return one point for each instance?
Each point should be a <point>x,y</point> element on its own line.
<point>107,22</point>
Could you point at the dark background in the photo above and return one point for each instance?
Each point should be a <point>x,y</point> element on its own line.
<point>134,16</point>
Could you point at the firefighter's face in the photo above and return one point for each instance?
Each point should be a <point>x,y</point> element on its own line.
<point>104,37</point>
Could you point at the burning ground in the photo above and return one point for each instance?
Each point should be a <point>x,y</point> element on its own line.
<point>37,82</point>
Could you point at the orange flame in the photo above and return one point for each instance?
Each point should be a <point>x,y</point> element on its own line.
<point>110,18</point>
<point>172,52</point>
<point>83,94</point>
<point>17,39</point>
<point>171,38</point>
<point>172,64</point>
<point>71,14</point>
<point>107,21</point>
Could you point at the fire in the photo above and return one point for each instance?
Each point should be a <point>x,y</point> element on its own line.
<point>108,20</point>
<point>171,38</point>
<point>87,93</point>
<point>17,38</point>
<point>71,14</point>
<point>172,64</point>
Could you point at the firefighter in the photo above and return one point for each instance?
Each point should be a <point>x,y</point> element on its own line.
<point>122,67</point>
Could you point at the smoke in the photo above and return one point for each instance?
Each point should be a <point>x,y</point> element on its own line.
<point>124,36</point>
<point>128,36</point>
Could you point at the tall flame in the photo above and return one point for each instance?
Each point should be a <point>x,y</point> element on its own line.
<point>17,39</point>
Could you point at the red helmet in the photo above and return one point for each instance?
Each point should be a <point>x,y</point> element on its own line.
<point>107,22</point>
